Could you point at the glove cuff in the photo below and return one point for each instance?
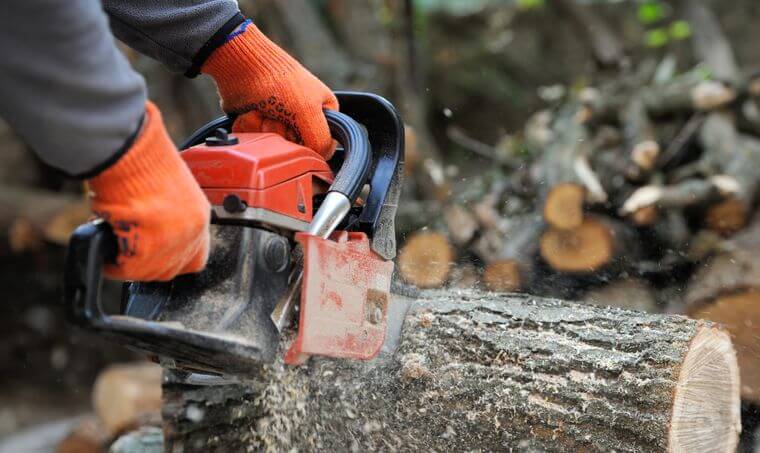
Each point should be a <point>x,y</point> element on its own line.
<point>148,167</point>
<point>247,60</point>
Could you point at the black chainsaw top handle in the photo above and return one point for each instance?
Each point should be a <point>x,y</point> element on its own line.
<point>352,176</point>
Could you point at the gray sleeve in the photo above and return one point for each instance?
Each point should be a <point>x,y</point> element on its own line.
<point>64,86</point>
<point>170,31</point>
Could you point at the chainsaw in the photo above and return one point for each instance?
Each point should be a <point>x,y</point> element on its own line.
<point>292,236</point>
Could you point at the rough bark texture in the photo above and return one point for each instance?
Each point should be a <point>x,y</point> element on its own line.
<point>486,372</point>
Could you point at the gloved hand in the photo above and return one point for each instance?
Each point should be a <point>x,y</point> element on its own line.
<point>157,210</point>
<point>271,91</point>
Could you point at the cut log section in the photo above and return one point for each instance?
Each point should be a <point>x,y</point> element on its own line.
<point>503,276</point>
<point>425,259</point>
<point>125,394</point>
<point>486,372</point>
<point>510,254</point>
<point>639,135</point>
<point>727,290</point>
<point>727,217</point>
<point>564,173</point>
<point>739,313</point>
<point>460,223</point>
<point>585,249</point>
<point>563,207</point>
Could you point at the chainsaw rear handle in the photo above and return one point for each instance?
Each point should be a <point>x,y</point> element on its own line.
<point>91,245</point>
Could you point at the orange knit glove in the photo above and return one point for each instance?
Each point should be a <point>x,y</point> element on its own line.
<point>270,90</point>
<point>155,207</point>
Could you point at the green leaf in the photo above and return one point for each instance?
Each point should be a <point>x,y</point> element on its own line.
<point>530,4</point>
<point>650,12</point>
<point>657,37</point>
<point>680,29</point>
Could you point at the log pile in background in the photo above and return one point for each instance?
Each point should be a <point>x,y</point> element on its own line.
<point>640,192</point>
<point>125,398</point>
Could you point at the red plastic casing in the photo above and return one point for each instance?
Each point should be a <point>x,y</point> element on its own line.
<point>264,170</point>
<point>344,298</point>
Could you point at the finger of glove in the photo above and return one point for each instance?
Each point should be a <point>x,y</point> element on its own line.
<point>175,259</point>
<point>316,135</point>
<point>276,127</point>
<point>199,260</point>
<point>330,102</point>
<point>248,122</point>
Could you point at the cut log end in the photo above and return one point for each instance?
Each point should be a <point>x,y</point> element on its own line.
<point>727,217</point>
<point>563,208</point>
<point>587,248</point>
<point>706,415</point>
<point>645,216</point>
<point>712,94</point>
<point>503,276</point>
<point>739,314</point>
<point>425,260</point>
<point>645,154</point>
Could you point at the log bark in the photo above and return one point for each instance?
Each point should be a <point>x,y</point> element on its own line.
<point>710,43</point>
<point>486,372</point>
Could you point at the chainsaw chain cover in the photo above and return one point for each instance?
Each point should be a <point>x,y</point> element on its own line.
<point>344,298</point>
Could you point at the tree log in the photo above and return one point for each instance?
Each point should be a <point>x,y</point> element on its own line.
<point>723,180</point>
<point>486,372</point>
<point>510,254</point>
<point>425,259</point>
<point>29,216</point>
<point>564,174</point>
<point>598,243</point>
<point>727,290</point>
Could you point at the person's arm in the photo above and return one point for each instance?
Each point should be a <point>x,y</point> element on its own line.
<point>257,80</point>
<point>179,33</point>
<point>71,95</point>
<point>64,86</point>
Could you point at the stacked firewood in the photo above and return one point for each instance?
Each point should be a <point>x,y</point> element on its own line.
<point>640,193</point>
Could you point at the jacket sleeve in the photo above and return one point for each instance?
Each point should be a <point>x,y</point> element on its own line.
<point>65,88</point>
<point>178,33</point>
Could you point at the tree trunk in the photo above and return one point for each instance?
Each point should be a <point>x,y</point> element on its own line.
<point>487,372</point>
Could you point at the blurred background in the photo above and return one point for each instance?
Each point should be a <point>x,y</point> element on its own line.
<point>505,100</point>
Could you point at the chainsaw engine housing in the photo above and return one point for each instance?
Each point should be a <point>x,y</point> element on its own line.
<point>265,193</point>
